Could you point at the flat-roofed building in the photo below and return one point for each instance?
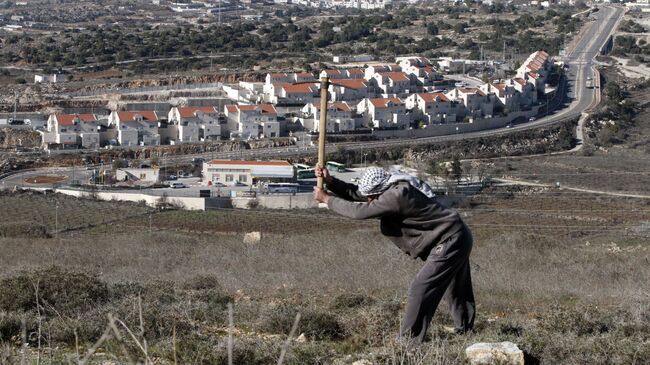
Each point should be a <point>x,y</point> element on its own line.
<point>238,172</point>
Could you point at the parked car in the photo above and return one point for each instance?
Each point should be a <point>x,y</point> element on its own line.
<point>172,177</point>
<point>177,185</point>
<point>532,119</point>
<point>218,184</point>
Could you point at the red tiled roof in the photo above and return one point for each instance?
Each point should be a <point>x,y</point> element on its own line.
<point>304,74</point>
<point>520,81</point>
<point>298,88</point>
<point>332,71</point>
<point>279,74</point>
<point>533,75</point>
<point>262,163</point>
<point>472,90</point>
<point>189,112</point>
<point>395,76</point>
<point>264,108</point>
<point>383,102</point>
<point>68,119</point>
<point>339,105</point>
<point>395,67</point>
<point>355,71</point>
<point>351,83</point>
<point>433,97</point>
<point>149,116</point>
<point>500,86</point>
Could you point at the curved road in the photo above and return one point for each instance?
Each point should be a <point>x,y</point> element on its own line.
<point>580,99</point>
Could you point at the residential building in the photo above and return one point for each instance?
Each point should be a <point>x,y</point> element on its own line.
<point>339,117</point>
<point>135,128</point>
<point>384,113</point>
<point>194,124</point>
<point>252,121</point>
<point>291,94</point>
<point>432,108</point>
<point>233,172</point>
<point>506,93</point>
<point>477,103</point>
<point>72,131</point>
<point>350,90</point>
<point>394,83</point>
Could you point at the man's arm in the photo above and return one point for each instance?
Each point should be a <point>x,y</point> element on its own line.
<point>387,203</point>
<point>345,190</point>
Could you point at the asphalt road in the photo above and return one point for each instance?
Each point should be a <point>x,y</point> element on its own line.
<point>578,99</point>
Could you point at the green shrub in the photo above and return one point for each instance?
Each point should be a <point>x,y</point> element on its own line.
<point>23,230</point>
<point>65,291</point>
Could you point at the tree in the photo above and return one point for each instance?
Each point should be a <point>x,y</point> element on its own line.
<point>432,29</point>
<point>456,170</point>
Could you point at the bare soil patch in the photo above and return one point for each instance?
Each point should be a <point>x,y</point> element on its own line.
<point>45,179</point>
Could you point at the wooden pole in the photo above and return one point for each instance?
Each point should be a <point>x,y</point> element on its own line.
<point>322,126</point>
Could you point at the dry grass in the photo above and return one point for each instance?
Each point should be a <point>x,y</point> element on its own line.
<point>576,295</point>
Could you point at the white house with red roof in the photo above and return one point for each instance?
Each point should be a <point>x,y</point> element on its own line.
<point>339,117</point>
<point>506,94</point>
<point>432,108</point>
<point>413,61</point>
<point>252,121</point>
<point>477,103</point>
<point>526,89</point>
<point>233,172</point>
<point>296,93</point>
<point>384,113</point>
<point>350,90</point>
<point>535,70</point>
<point>394,83</point>
<point>72,131</point>
<point>194,124</point>
<point>371,70</point>
<point>136,128</point>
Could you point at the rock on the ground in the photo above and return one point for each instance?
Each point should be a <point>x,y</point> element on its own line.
<point>252,237</point>
<point>362,362</point>
<point>503,353</point>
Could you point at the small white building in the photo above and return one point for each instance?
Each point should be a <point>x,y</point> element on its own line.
<point>72,130</point>
<point>432,108</point>
<point>234,172</point>
<point>138,176</point>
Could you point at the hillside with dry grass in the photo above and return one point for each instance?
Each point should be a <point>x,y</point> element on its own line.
<point>562,275</point>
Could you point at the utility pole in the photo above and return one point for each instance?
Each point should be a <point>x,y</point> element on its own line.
<point>15,104</point>
<point>504,51</point>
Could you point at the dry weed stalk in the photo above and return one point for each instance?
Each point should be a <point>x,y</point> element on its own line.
<point>231,327</point>
<point>287,343</point>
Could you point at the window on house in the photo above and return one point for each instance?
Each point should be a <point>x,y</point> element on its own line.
<point>143,175</point>
<point>243,178</point>
<point>229,177</point>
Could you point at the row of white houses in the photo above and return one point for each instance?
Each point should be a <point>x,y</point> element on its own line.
<point>397,96</point>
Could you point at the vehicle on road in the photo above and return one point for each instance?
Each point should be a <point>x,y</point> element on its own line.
<point>218,184</point>
<point>532,119</point>
<point>335,166</point>
<point>172,177</point>
<point>290,188</point>
<point>177,185</point>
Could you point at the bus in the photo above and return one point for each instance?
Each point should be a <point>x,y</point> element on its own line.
<point>301,166</point>
<point>290,188</point>
<point>306,174</point>
<point>335,166</point>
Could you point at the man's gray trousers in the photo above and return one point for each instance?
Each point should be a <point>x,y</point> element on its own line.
<point>446,271</point>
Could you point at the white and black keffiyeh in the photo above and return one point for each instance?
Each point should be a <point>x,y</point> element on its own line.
<point>376,180</point>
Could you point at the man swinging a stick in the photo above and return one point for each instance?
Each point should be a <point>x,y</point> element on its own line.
<point>420,226</point>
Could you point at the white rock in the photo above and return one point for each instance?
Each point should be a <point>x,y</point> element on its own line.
<point>302,338</point>
<point>503,353</point>
<point>252,237</point>
<point>362,362</point>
